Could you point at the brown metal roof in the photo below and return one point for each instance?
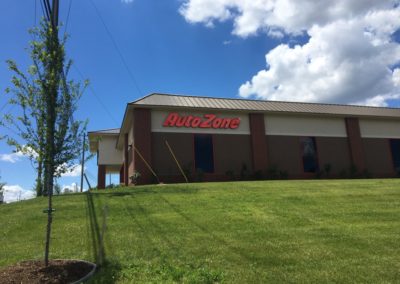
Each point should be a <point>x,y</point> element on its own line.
<point>166,100</point>
<point>106,131</point>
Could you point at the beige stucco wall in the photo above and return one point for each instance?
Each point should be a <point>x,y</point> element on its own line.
<point>108,154</point>
<point>299,125</point>
<point>158,117</point>
<point>379,128</point>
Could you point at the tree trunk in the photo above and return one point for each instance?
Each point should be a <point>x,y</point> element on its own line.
<point>39,179</point>
<point>54,70</point>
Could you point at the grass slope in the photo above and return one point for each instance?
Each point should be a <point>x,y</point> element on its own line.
<point>344,231</point>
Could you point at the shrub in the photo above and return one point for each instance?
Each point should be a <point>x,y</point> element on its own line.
<point>135,177</point>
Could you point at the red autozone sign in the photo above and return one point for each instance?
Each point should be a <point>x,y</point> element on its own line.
<point>206,121</point>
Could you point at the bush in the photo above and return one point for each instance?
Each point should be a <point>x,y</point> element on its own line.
<point>230,174</point>
<point>135,177</point>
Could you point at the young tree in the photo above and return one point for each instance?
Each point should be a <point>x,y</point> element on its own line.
<point>48,101</point>
<point>2,191</point>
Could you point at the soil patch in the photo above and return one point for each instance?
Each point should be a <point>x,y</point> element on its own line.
<point>34,271</point>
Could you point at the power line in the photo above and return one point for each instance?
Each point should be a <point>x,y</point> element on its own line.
<point>34,18</point>
<point>3,106</point>
<point>117,49</point>
<point>95,94</point>
<point>66,21</point>
<point>43,10</point>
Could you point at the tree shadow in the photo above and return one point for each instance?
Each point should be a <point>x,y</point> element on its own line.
<point>235,250</point>
<point>150,223</point>
<point>107,268</point>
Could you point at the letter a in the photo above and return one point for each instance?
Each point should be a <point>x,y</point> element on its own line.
<point>171,119</point>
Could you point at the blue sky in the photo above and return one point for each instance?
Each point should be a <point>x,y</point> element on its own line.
<point>311,51</point>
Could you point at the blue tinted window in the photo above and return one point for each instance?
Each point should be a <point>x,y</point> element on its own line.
<point>309,154</point>
<point>203,153</point>
<point>395,147</point>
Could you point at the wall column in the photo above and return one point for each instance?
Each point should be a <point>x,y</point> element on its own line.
<point>126,160</point>
<point>142,143</point>
<point>355,143</point>
<point>258,142</point>
<point>101,177</point>
<point>121,175</point>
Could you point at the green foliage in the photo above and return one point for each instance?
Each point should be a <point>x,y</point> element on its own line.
<point>328,169</point>
<point>45,99</point>
<point>310,231</point>
<point>244,172</point>
<point>230,174</point>
<point>1,191</point>
<point>199,175</point>
<point>57,189</point>
<point>274,172</point>
<point>135,177</point>
<point>2,184</point>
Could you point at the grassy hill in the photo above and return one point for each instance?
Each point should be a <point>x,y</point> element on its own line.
<point>242,232</point>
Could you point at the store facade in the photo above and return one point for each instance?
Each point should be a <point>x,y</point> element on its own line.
<point>168,138</point>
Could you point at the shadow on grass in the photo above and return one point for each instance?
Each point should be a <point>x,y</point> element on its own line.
<point>238,251</point>
<point>162,188</point>
<point>132,210</point>
<point>107,269</point>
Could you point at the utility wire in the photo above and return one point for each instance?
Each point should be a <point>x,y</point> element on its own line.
<point>47,9</point>
<point>3,106</point>
<point>43,10</point>
<point>66,21</point>
<point>95,94</point>
<point>34,18</point>
<point>117,49</point>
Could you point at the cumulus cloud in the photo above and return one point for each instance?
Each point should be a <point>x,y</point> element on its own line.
<point>11,158</point>
<point>12,193</point>
<point>71,188</point>
<point>25,151</point>
<point>73,171</point>
<point>347,58</point>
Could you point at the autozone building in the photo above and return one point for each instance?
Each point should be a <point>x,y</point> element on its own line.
<point>164,137</point>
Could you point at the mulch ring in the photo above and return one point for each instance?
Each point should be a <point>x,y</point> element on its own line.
<point>34,271</point>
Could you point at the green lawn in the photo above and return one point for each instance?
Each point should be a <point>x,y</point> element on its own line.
<point>317,231</point>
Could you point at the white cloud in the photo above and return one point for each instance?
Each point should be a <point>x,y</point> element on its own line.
<point>11,158</point>
<point>69,171</point>
<point>127,1</point>
<point>396,77</point>
<point>73,171</point>
<point>12,193</point>
<point>292,16</point>
<point>26,151</point>
<point>347,58</point>
<point>71,188</point>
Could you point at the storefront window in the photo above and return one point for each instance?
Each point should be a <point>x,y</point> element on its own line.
<point>395,147</point>
<point>204,153</point>
<point>309,154</point>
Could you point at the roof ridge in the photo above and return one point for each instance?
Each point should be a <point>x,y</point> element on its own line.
<point>262,101</point>
<point>101,130</point>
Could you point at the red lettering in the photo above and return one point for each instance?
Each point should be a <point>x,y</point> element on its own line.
<point>207,122</point>
<point>181,121</point>
<point>225,122</point>
<point>217,123</point>
<point>171,119</point>
<point>196,121</point>
<point>234,123</point>
<point>188,120</point>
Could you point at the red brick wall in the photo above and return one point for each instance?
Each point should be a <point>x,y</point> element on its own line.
<point>355,143</point>
<point>101,177</point>
<point>258,142</point>
<point>126,160</point>
<point>142,143</point>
